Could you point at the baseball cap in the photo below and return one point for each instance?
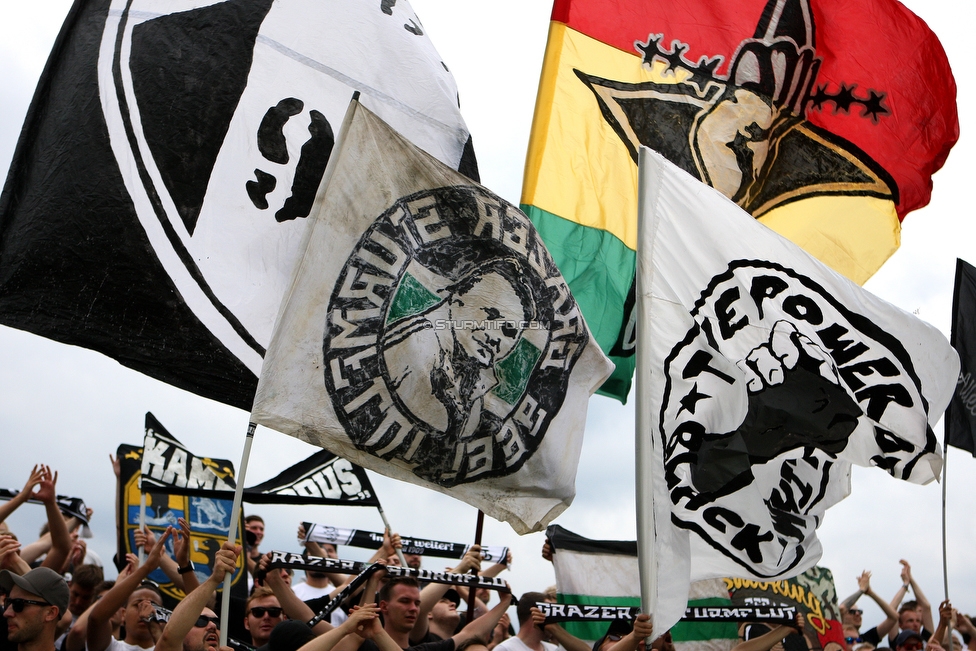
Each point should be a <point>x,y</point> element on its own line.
<point>905,636</point>
<point>453,595</point>
<point>41,581</point>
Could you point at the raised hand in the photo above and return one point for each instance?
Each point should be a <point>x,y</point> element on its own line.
<point>225,561</point>
<point>864,582</point>
<point>181,544</point>
<point>36,476</point>
<point>500,632</point>
<point>643,628</point>
<point>945,612</point>
<point>79,549</point>
<point>159,549</point>
<point>391,543</point>
<point>144,538</point>
<point>131,563</point>
<point>47,486</point>
<point>364,621</point>
<point>538,617</point>
<point>470,561</point>
<point>9,547</point>
<point>906,572</point>
<point>801,623</point>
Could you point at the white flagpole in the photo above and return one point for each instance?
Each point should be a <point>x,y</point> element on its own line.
<point>232,532</point>
<point>142,519</point>
<point>644,440</point>
<point>239,490</point>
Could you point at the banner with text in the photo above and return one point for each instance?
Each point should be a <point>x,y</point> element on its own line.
<point>321,533</point>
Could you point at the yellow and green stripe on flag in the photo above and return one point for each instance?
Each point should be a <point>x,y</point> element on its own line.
<point>831,150</point>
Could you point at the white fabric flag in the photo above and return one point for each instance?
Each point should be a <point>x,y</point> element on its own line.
<point>429,336</point>
<point>186,140</point>
<point>768,375</point>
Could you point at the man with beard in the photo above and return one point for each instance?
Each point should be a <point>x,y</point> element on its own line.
<point>34,605</point>
<point>193,626</point>
<point>442,360</point>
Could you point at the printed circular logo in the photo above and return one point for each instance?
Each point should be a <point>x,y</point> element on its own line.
<point>776,379</point>
<point>451,337</point>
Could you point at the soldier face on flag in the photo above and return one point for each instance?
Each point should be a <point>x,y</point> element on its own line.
<point>449,351</point>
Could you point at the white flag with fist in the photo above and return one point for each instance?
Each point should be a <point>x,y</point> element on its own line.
<point>768,376</point>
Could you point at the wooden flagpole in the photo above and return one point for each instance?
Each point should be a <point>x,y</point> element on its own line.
<point>644,445</point>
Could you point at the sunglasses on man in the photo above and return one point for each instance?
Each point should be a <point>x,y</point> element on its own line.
<point>18,604</point>
<point>259,611</point>
<point>203,620</point>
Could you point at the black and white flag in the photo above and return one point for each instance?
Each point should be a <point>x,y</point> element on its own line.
<point>768,376</point>
<point>73,507</point>
<point>169,468</point>
<point>961,417</point>
<point>156,200</point>
<point>323,479</point>
<point>322,533</point>
<point>429,336</point>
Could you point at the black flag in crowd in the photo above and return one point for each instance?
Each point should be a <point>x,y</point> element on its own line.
<point>323,479</point>
<point>158,193</point>
<point>961,415</point>
<point>208,517</point>
<point>69,506</point>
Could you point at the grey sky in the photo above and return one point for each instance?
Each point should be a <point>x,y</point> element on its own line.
<point>70,407</point>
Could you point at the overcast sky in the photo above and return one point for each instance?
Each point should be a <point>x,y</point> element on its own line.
<point>70,407</point>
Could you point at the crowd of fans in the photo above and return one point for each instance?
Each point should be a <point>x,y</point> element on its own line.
<point>54,597</point>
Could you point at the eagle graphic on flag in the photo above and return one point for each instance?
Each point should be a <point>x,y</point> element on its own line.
<point>825,131</point>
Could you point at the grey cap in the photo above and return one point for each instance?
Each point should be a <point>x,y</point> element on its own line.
<point>41,581</point>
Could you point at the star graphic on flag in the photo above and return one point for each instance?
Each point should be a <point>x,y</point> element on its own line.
<point>689,401</point>
<point>804,160</point>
